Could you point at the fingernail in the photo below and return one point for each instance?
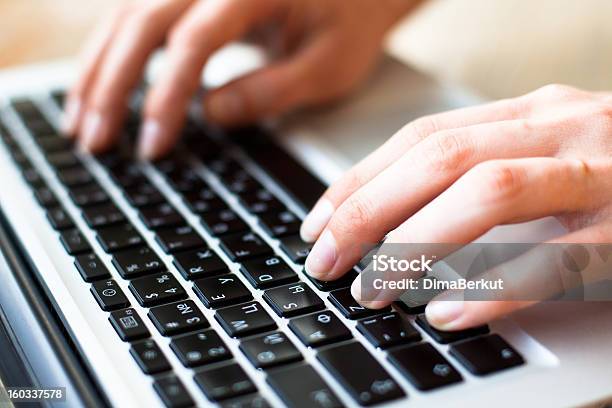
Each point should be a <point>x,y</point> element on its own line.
<point>70,116</point>
<point>92,128</point>
<point>316,220</point>
<point>225,107</point>
<point>442,314</point>
<point>149,140</point>
<point>323,256</point>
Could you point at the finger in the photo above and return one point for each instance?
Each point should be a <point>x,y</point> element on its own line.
<point>540,274</point>
<point>92,54</point>
<point>494,193</point>
<point>141,32</point>
<point>396,146</point>
<point>414,180</point>
<point>205,28</point>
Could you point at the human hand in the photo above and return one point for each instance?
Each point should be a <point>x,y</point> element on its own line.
<point>451,177</point>
<point>323,49</point>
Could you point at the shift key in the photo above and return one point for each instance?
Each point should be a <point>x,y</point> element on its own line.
<point>361,375</point>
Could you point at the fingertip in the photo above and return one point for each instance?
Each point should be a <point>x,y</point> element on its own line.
<point>225,107</point>
<point>316,220</point>
<point>91,133</point>
<point>70,117</point>
<point>150,140</point>
<point>446,315</point>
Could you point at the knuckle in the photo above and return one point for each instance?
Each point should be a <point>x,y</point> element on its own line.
<point>421,128</point>
<point>356,214</point>
<point>446,151</point>
<point>498,182</point>
<point>602,112</point>
<point>555,92</point>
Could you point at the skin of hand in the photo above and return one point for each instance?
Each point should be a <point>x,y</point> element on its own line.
<point>322,50</point>
<point>451,177</point>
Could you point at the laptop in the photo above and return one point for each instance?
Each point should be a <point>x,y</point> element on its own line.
<point>181,282</point>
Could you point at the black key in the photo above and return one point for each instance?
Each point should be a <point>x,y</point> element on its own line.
<point>296,249</point>
<point>91,268</point>
<point>129,176</point>
<point>486,354</point>
<point>293,299</point>
<point>424,366</point>
<point>149,357</point>
<point>280,224</point>
<point>267,272</point>
<point>223,222</point>
<point>224,382</point>
<point>246,401</point>
<point>204,201</point>
<point>240,182</point>
<point>173,393</point>
<point>137,262</point>
<point>90,194</point>
<point>223,290</point>
<point>32,177</point>
<point>245,319</point>
<point>186,181</point>
<point>62,160</point>
<point>302,387</point>
<point>260,201</point>
<point>128,325</point>
<point>179,317</point>
<point>388,330</point>
<point>199,264</point>
<point>360,374</point>
<point>26,109</point>
<point>45,197</point>
<point>59,218</point>
<point>240,247</point>
<point>74,242</point>
<point>173,240</point>
<point>74,176</point>
<point>414,301</point>
<point>143,194</point>
<point>59,97</point>
<point>162,215</point>
<point>446,337</point>
<point>349,307</point>
<point>102,215</point>
<point>343,282</point>
<point>203,347</point>
<point>270,350</point>
<point>109,295</point>
<point>319,329</point>
<point>157,289</point>
<point>118,237</point>
<point>54,144</point>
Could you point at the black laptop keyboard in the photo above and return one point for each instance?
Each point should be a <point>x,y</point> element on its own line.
<point>174,294</point>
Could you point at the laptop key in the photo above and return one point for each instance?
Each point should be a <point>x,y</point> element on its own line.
<point>222,290</point>
<point>223,222</point>
<point>296,249</point>
<point>424,366</point>
<point>486,354</point>
<point>118,237</point>
<point>176,239</point>
<point>388,330</point>
<point>74,242</point>
<point>267,272</point>
<point>344,281</point>
<point>162,215</point>
<point>45,197</point>
<point>245,319</point>
<point>143,194</point>
<point>203,201</point>
<point>109,295</point>
<point>137,262</point>
<point>157,289</point>
<point>74,176</point>
<point>240,247</point>
<point>128,325</point>
<point>293,299</point>
<point>362,376</point>
<point>173,393</point>
<point>54,144</point>
<point>224,382</point>
<point>445,337</point>
<point>179,317</point>
<point>59,218</point>
<point>102,215</point>
<point>246,401</point>
<point>260,202</point>
<point>302,387</point>
<point>149,357</point>
<point>62,160</point>
<point>281,223</point>
<point>89,194</point>
<point>91,268</point>
<point>203,347</point>
<point>348,306</point>
<point>270,350</point>
<point>200,263</point>
<point>319,329</point>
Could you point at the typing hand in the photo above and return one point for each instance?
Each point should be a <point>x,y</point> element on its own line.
<point>451,177</point>
<point>323,49</point>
